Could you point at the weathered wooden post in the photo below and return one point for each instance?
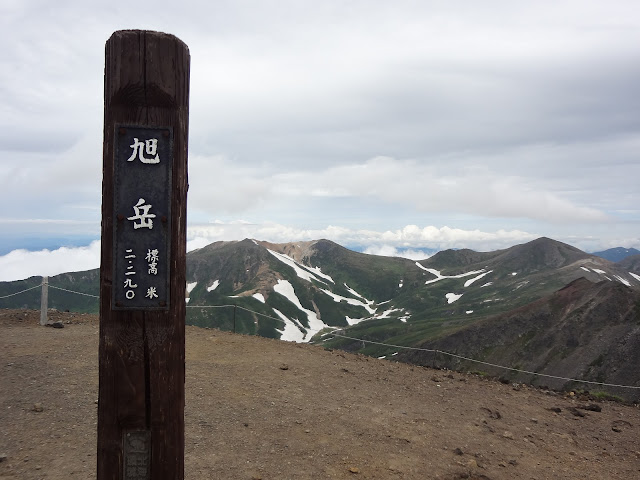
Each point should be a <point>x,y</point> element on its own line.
<point>142,272</point>
<point>44,301</point>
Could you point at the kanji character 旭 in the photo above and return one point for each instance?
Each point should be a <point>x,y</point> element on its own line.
<point>150,147</point>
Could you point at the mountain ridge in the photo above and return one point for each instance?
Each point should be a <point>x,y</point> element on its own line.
<point>587,331</point>
<point>305,291</point>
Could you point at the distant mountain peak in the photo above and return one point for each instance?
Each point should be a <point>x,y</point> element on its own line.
<point>617,254</point>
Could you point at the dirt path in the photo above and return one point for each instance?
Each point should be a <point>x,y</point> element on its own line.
<point>264,409</point>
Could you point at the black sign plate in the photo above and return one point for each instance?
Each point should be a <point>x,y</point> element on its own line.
<point>142,210</point>
<point>137,455</point>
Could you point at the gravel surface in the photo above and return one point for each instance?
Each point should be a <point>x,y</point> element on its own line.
<point>264,409</point>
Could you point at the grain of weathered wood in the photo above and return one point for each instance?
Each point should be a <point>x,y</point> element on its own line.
<point>141,353</point>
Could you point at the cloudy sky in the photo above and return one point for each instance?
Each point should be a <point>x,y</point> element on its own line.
<point>388,127</point>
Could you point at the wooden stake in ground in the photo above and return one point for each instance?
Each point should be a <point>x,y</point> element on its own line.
<point>142,272</point>
<point>44,301</point>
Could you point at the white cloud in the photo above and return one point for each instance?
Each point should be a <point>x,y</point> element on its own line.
<point>21,264</point>
<point>402,241</point>
<point>391,251</point>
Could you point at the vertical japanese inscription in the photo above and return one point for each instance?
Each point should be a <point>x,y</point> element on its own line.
<point>142,204</point>
<point>137,455</point>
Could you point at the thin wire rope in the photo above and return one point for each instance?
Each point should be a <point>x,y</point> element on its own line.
<point>258,313</point>
<point>489,364</point>
<point>384,344</point>
<point>541,374</point>
<point>18,293</point>
<point>235,306</point>
<point>208,306</point>
<point>71,291</point>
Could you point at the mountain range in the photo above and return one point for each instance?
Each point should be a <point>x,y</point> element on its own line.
<point>543,306</point>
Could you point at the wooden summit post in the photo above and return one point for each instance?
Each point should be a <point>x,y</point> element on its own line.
<point>142,272</point>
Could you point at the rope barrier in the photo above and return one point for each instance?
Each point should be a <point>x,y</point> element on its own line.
<point>527,372</point>
<point>18,293</point>
<point>258,313</point>
<point>235,306</point>
<point>383,344</point>
<point>71,291</point>
<point>540,374</point>
<point>487,363</point>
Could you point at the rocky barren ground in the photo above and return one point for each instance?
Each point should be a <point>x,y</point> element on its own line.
<point>263,409</point>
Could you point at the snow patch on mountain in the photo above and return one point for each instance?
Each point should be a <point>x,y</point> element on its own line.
<point>387,313</point>
<point>291,331</point>
<point>623,281</point>
<point>190,287</point>
<point>284,288</point>
<point>355,321</point>
<point>601,272</point>
<point>259,297</point>
<point>439,275</point>
<point>300,270</point>
<point>213,286</point>
<point>452,297</point>
<point>353,292</point>
<point>471,280</point>
<point>351,301</point>
<point>319,273</point>
<point>637,277</point>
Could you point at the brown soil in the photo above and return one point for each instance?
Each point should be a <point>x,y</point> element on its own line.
<point>264,409</point>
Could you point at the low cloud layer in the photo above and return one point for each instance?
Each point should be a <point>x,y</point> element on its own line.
<point>21,264</point>
<point>391,251</point>
<point>410,241</point>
